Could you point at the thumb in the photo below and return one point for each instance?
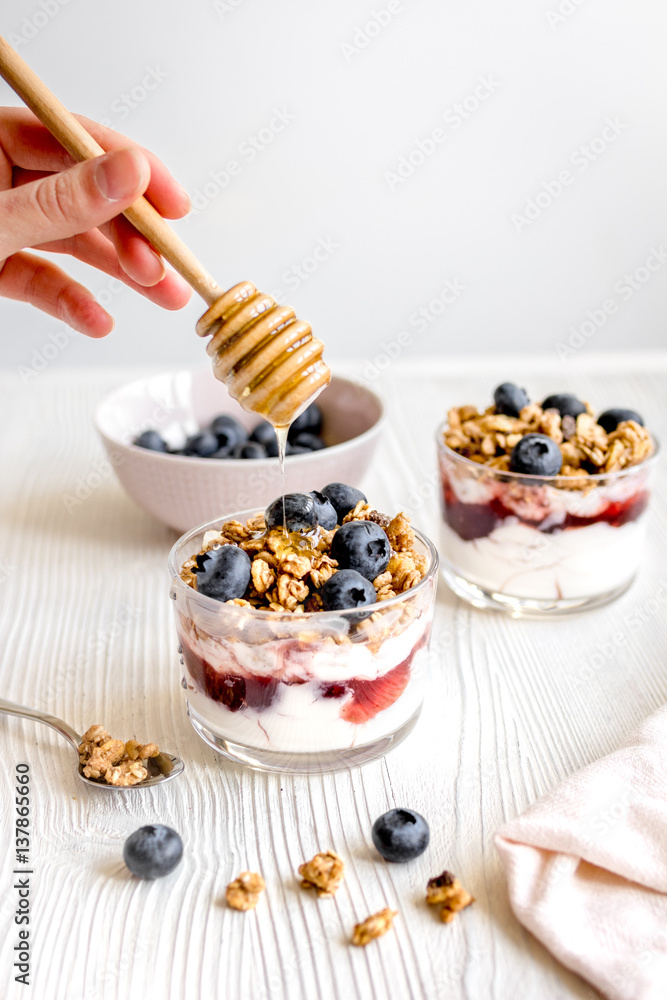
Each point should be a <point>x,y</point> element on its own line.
<point>72,201</point>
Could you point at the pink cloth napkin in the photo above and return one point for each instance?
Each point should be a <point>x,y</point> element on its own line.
<point>587,868</point>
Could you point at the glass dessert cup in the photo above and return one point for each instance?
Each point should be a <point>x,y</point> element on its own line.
<point>311,692</point>
<point>540,546</point>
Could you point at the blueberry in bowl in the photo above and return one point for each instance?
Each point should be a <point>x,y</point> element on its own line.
<point>185,490</point>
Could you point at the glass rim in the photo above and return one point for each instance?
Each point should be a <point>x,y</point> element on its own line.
<point>558,481</point>
<point>260,614</point>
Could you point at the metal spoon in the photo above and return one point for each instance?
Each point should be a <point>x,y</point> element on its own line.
<point>162,768</point>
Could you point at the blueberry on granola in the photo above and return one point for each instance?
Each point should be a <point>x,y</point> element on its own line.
<point>566,404</point>
<point>347,589</point>
<point>361,545</point>
<point>153,851</point>
<point>203,445</point>
<point>536,455</point>
<point>400,835</point>
<point>151,440</point>
<point>300,514</point>
<point>326,514</point>
<point>510,399</point>
<point>344,498</point>
<point>223,573</point>
<point>610,419</point>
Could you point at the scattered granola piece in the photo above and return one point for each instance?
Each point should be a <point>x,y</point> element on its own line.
<point>373,927</point>
<point>446,891</point>
<point>244,892</point>
<point>324,873</point>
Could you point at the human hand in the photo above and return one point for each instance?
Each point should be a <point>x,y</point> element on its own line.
<point>48,203</point>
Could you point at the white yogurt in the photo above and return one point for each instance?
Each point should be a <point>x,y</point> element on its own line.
<point>520,561</point>
<point>299,719</point>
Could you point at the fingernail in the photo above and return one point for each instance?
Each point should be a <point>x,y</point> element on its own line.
<point>121,174</point>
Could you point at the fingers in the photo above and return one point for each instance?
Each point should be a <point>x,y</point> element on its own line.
<point>31,279</point>
<point>30,145</point>
<point>73,201</point>
<point>92,248</point>
<point>137,258</point>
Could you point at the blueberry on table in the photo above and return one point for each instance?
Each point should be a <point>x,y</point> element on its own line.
<point>400,835</point>
<point>228,431</point>
<point>610,419</point>
<point>310,420</point>
<point>326,513</point>
<point>264,433</point>
<point>151,440</point>
<point>223,573</point>
<point>153,851</point>
<point>343,498</point>
<point>536,455</point>
<point>566,404</point>
<point>347,589</point>
<point>249,449</point>
<point>510,399</point>
<point>202,445</point>
<point>307,441</point>
<point>361,545</point>
<point>299,512</point>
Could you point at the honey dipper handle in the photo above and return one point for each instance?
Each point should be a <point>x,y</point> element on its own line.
<point>71,134</point>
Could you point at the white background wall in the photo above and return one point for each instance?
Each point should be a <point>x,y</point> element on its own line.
<point>355,98</point>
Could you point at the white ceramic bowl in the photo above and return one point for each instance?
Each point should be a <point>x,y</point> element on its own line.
<point>185,491</point>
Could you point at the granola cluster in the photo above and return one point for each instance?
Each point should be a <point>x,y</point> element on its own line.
<point>489,437</point>
<point>324,873</point>
<point>244,892</point>
<point>113,761</point>
<point>286,573</point>
<point>447,892</point>
<point>373,927</point>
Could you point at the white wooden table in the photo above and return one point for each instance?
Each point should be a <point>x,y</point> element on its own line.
<point>86,631</point>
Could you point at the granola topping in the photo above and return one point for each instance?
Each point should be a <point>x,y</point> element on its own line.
<point>287,571</point>
<point>488,438</point>
<point>446,891</point>
<point>244,892</point>
<point>324,873</point>
<point>373,927</point>
<point>113,761</point>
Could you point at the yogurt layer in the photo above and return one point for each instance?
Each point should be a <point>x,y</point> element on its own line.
<point>520,561</point>
<point>305,697</point>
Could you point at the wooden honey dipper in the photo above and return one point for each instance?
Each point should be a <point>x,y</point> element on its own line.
<point>267,358</point>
